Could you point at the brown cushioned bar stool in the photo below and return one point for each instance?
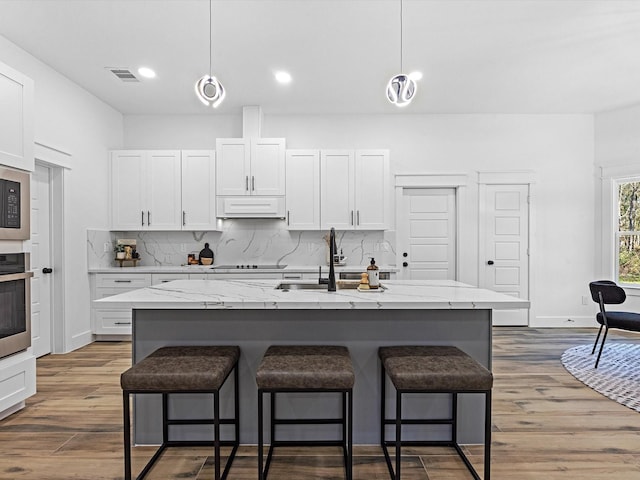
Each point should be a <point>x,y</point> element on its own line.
<point>179,370</point>
<point>433,369</point>
<point>307,368</point>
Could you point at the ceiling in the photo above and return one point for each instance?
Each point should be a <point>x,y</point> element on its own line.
<point>477,56</point>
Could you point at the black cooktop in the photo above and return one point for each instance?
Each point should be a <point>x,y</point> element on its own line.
<point>248,267</point>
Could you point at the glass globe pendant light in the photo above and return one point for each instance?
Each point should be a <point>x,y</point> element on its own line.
<point>208,88</point>
<point>401,88</point>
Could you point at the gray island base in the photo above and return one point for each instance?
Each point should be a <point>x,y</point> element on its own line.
<point>254,316</point>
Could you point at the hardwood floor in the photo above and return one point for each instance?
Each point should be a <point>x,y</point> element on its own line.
<point>546,425</point>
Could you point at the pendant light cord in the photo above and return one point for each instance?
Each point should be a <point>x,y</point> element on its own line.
<point>210,40</point>
<point>401,70</point>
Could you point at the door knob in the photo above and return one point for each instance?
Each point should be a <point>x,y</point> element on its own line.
<point>405,264</point>
<point>47,270</point>
<point>490,262</point>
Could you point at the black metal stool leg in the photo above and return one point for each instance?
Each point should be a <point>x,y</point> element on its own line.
<point>350,436</point>
<point>487,436</point>
<point>260,436</point>
<point>398,433</point>
<point>216,433</point>
<point>127,435</point>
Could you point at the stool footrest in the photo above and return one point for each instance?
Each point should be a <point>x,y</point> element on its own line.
<point>420,421</point>
<point>200,421</point>
<point>308,421</point>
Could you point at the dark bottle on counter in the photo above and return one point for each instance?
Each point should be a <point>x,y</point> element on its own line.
<point>206,255</point>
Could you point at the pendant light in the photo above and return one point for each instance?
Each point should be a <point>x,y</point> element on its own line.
<point>401,88</point>
<point>208,89</point>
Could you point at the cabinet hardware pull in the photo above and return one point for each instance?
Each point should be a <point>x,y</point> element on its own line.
<point>148,218</point>
<point>253,183</point>
<point>122,281</point>
<point>287,217</point>
<point>142,214</point>
<point>351,217</point>
<point>122,323</point>
<point>246,183</point>
<point>184,218</point>
<point>358,217</point>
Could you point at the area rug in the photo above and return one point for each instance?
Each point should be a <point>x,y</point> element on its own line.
<point>617,375</point>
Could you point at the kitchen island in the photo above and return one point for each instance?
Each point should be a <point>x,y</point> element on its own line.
<point>254,314</point>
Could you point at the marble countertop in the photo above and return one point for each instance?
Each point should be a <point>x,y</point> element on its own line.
<point>208,269</point>
<point>261,294</point>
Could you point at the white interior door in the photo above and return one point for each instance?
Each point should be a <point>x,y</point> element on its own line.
<point>427,234</point>
<point>40,260</point>
<point>504,257</point>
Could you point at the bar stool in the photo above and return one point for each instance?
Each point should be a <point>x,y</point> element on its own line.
<point>179,370</point>
<point>433,369</point>
<point>309,368</point>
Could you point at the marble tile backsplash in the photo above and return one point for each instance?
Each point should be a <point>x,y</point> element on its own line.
<point>245,242</point>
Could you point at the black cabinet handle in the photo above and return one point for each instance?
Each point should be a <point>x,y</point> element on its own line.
<point>47,270</point>
<point>405,254</point>
<point>490,262</point>
<point>405,264</point>
<point>142,213</point>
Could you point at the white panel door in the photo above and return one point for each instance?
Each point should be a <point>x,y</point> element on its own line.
<point>232,166</point>
<point>128,191</point>
<point>267,166</point>
<point>198,190</point>
<point>371,189</point>
<point>303,189</point>
<point>164,210</point>
<point>336,189</point>
<point>427,234</point>
<point>40,259</point>
<point>504,262</point>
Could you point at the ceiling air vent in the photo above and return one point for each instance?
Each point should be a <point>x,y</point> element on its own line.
<point>123,74</point>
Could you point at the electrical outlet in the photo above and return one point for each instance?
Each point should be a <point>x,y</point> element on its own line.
<point>183,247</point>
<point>106,247</point>
<point>584,299</point>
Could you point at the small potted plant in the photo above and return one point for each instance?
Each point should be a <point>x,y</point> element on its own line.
<point>119,249</point>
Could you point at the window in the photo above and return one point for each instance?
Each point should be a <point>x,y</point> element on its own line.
<point>628,233</point>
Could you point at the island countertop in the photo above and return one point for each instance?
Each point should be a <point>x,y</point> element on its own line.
<point>262,294</point>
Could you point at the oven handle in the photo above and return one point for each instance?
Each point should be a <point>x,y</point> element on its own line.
<point>15,276</point>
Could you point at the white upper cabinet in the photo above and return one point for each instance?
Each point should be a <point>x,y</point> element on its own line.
<point>233,166</point>
<point>16,119</point>
<point>250,166</point>
<point>267,166</point>
<point>198,190</point>
<point>146,190</point>
<point>303,189</point>
<point>372,189</point>
<point>337,171</point>
<point>354,189</point>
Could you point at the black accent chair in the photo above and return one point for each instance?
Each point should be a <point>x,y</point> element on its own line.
<point>606,292</point>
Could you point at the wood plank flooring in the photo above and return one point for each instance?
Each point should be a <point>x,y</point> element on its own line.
<point>546,425</point>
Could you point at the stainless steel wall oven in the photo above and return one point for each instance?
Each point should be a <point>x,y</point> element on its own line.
<point>15,303</point>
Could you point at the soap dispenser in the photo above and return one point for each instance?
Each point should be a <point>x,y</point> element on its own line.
<point>374,274</point>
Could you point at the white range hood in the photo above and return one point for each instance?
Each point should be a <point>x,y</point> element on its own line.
<point>250,172</point>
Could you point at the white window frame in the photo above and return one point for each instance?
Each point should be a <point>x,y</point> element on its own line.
<point>615,214</point>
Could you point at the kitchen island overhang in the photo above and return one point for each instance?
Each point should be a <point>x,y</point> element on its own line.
<point>254,315</point>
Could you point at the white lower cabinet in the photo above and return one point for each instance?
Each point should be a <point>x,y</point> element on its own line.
<point>114,321</point>
<point>17,381</point>
<point>159,278</point>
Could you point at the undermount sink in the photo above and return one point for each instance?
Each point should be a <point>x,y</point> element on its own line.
<point>286,286</point>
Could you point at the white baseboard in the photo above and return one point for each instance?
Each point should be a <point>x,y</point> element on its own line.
<point>80,340</point>
<point>564,322</point>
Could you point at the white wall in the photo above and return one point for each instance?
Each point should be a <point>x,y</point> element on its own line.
<point>559,148</point>
<point>74,121</point>
<point>617,153</point>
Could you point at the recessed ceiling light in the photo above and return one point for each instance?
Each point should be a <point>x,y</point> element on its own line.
<point>415,76</point>
<point>146,72</point>
<point>283,77</point>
